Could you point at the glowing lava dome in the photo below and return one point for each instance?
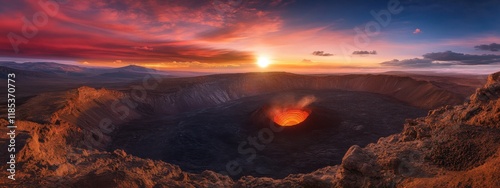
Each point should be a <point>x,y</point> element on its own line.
<point>291,117</point>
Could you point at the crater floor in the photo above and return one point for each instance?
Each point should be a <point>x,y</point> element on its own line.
<point>237,132</point>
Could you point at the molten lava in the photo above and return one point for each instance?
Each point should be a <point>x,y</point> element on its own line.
<point>291,117</point>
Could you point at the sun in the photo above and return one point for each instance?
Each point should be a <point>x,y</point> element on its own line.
<point>263,62</point>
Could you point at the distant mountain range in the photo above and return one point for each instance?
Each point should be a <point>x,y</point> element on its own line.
<point>44,67</point>
<point>57,69</point>
<point>4,71</point>
<point>135,68</point>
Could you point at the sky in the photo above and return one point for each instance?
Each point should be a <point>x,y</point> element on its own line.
<point>256,35</point>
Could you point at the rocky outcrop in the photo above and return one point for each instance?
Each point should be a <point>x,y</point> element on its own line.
<point>97,112</point>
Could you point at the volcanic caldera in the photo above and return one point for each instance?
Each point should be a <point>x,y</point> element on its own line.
<point>186,132</point>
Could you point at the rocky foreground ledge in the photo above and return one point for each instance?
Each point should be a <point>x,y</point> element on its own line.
<point>454,146</point>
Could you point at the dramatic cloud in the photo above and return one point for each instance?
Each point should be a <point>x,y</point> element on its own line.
<point>417,31</point>
<point>234,32</point>
<point>445,58</point>
<point>415,62</point>
<point>322,53</point>
<point>364,52</point>
<point>461,58</point>
<point>494,47</point>
<point>138,32</point>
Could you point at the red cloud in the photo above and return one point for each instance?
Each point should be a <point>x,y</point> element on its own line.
<point>152,31</point>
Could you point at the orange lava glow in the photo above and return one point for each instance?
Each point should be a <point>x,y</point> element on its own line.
<point>291,117</point>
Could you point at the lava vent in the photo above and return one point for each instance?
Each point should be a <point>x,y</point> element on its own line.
<point>290,112</point>
<point>291,117</point>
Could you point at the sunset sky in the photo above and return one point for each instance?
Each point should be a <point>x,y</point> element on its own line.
<point>231,35</point>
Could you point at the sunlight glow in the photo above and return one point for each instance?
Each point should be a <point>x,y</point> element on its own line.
<point>263,62</point>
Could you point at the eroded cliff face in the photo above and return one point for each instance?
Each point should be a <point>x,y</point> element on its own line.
<point>453,146</point>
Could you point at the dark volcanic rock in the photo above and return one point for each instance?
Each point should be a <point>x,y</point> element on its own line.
<point>213,137</point>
